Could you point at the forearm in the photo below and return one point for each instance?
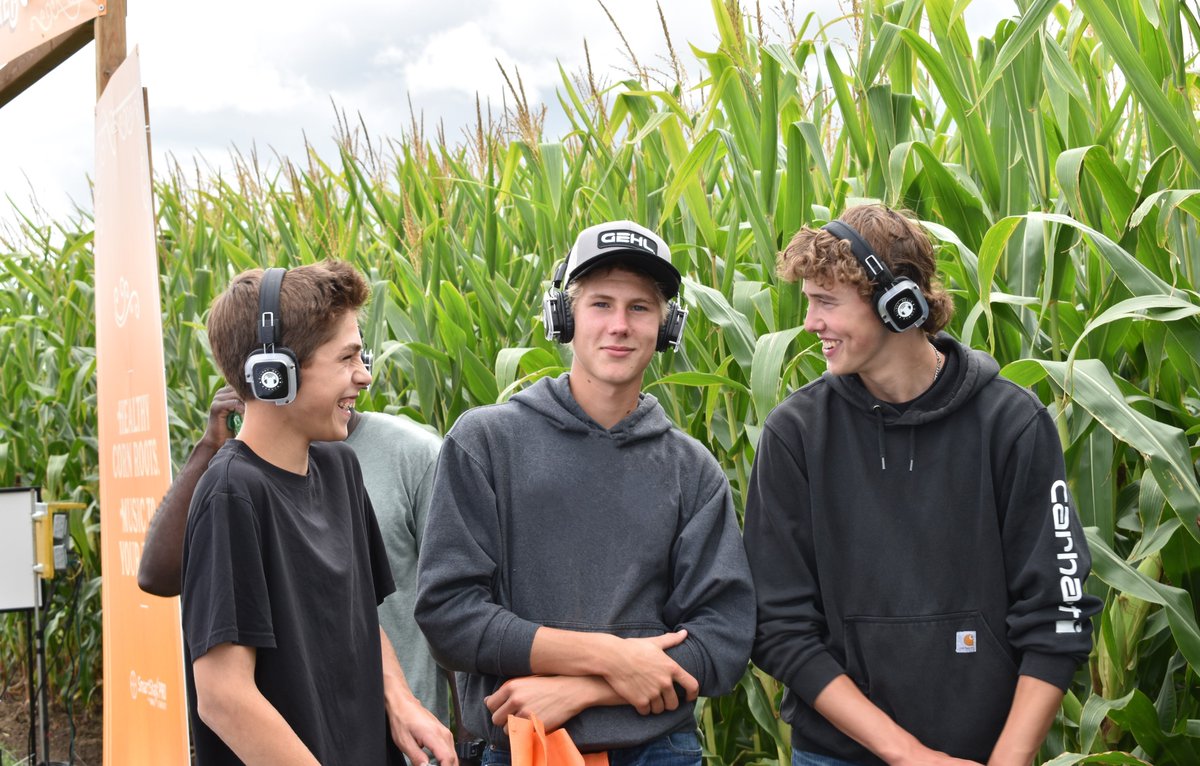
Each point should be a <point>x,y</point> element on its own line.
<point>162,551</point>
<point>571,653</point>
<point>638,669</point>
<point>1033,708</point>
<point>553,699</point>
<point>847,708</point>
<point>396,691</point>
<point>252,728</point>
<point>412,726</point>
<point>230,703</point>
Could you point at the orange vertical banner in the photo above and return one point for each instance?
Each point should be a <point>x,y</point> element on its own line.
<point>26,24</point>
<point>145,708</point>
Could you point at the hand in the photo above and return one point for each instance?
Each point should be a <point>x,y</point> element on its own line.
<point>553,699</point>
<point>413,727</point>
<point>224,402</point>
<point>644,675</point>
<point>919,755</point>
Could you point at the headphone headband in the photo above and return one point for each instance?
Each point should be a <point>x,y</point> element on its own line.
<point>270,329</point>
<point>877,270</point>
<point>899,302</point>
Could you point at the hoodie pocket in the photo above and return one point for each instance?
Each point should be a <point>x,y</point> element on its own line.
<point>945,678</point>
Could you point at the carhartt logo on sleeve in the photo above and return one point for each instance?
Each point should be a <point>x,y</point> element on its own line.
<point>964,642</point>
<point>1068,560</point>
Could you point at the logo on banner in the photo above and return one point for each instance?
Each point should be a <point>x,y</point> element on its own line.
<point>124,120</point>
<point>154,691</point>
<point>10,10</point>
<point>52,10</point>
<point>127,303</point>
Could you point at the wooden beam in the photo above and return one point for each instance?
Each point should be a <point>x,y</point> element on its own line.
<point>31,66</point>
<point>110,43</point>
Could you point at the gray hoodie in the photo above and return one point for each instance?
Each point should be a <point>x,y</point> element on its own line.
<point>540,516</point>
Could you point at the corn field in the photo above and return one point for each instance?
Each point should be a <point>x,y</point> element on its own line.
<point>1056,162</point>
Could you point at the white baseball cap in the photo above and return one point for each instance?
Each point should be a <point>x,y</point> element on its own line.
<point>631,243</point>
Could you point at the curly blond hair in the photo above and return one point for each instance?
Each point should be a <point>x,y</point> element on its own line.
<point>816,255</point>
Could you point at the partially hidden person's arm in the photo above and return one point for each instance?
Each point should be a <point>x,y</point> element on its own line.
<point>412,726</point>
<point>162,551</point>
<point>230,703</point>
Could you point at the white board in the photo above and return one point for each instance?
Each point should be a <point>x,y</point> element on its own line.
<point>18,581</point>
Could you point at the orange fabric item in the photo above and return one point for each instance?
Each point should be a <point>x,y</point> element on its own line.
<point>530,745</point>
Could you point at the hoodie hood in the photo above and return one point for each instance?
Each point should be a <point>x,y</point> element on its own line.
<point>966,373</point>
<point>969,370</point>
<point>551,398</point>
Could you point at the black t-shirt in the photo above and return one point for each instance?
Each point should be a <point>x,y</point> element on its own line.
<point>295,567</point>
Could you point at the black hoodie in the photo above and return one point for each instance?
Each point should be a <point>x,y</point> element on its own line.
<point>930,552</point>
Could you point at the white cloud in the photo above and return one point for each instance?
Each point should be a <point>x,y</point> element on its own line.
<point>238,72</point>
<point>461,60</point>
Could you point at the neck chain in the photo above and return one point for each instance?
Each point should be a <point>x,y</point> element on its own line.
<point>937,368</point>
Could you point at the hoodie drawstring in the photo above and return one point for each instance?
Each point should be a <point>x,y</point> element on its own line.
<point>879,421</point>
<point>912,440</point>
<point>912,447</point>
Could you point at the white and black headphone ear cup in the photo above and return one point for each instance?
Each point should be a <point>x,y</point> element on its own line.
<point>556,309</point>
<point>670,332</point>
<point>556,315</point>
<point>902,305</point>
<point>274,376</point>
<point>272,372</point>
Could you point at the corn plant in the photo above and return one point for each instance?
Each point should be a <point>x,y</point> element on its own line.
<point>1056,162</point>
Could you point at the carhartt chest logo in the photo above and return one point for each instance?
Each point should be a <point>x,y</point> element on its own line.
<point>626,239</point>
<point>964,642</point>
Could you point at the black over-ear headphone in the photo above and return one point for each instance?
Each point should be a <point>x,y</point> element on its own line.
<point>272,372</point>
<point>560,322</point>
<point>898,300</point>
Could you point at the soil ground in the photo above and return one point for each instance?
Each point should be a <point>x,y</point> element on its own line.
<point>14,732</point>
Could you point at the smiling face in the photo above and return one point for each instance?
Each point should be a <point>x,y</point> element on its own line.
<point>852,337</point>
<point>330,382</point>
<point>617,315</point>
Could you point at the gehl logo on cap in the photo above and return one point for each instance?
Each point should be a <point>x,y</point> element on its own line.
<point>626,239</point>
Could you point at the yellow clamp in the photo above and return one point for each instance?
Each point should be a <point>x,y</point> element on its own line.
<point>43,530</point>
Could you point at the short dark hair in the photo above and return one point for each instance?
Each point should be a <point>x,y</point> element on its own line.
<point>311,298</point>
<point>627,266</point>
<point>815,255</point>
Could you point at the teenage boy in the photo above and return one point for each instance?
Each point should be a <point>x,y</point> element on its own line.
<point>917,561</point>
<point>397,458</point>
<point>283,563</point>
<point>589,567</point>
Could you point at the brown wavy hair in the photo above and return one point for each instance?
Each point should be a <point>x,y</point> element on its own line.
<point>816,255</point>
<point>311,299</point>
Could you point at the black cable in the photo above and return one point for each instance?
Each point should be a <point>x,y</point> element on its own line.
<point>31,682</point>
<point>73,659</point>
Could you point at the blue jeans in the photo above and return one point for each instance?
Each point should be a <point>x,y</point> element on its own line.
<point>801,758</point>
<point>680,748</point>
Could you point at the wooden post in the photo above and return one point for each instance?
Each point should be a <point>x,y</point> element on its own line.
<point>110,42</point>
<point>31,66</point>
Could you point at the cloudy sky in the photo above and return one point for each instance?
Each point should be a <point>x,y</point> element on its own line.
<point>243,73</point>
